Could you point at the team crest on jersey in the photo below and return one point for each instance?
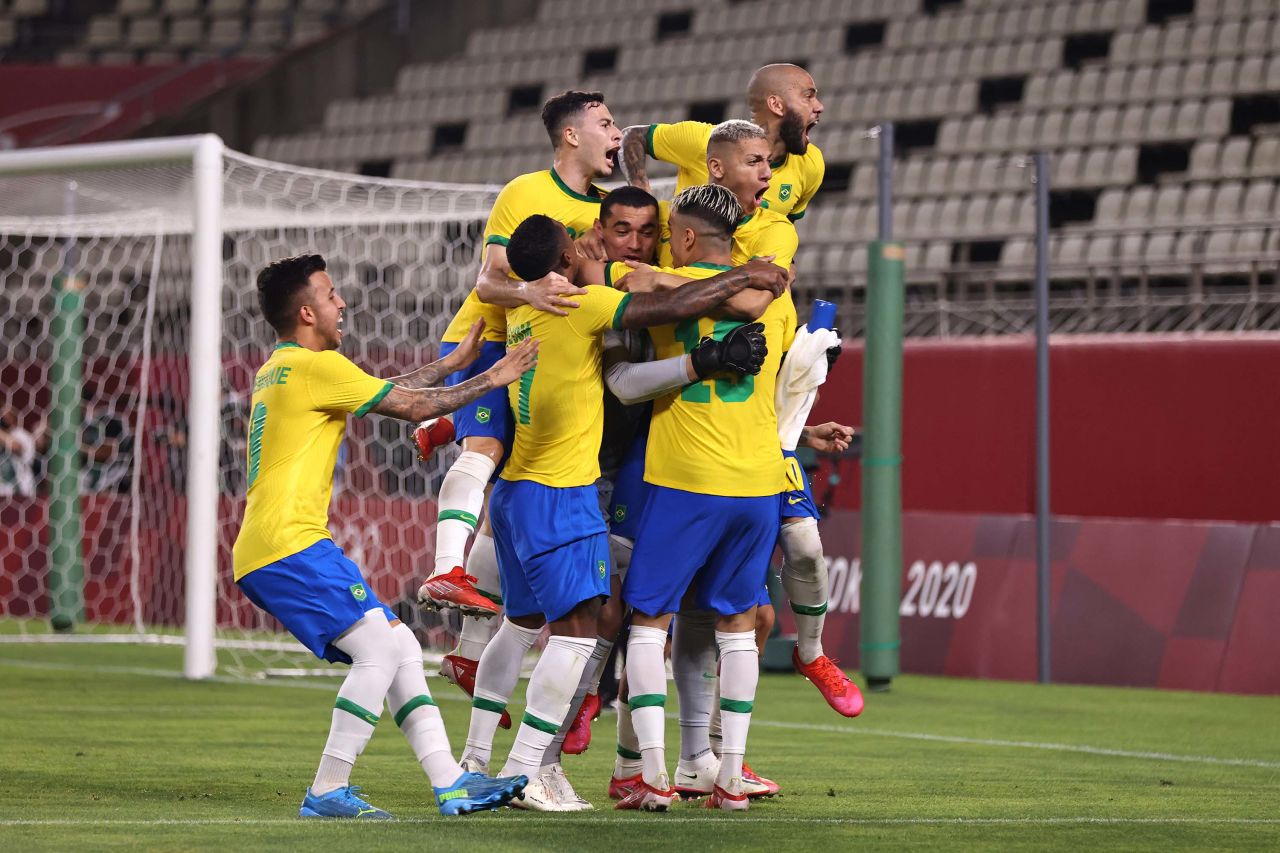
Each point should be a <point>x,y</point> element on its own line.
<point>357,592</point>
<point>784,192</point>
<point>620,512</point>
<point>482,414</point>
<point>602,568</point>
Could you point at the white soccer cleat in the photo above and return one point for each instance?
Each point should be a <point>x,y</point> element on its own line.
<point>474,764</point>
<point>554,776</point>
<point>538,796</point>
<point>696,777</point>
<point>731,798</point>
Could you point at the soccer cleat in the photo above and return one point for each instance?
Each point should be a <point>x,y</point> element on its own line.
<point>541,796</point>
<point>578,738</point>
<point>732,798</point>
<point>474,764</point>
<point>554,776</point>
<point>455,589</point>
<point>696,777</point>
<point>756,785</point>
<point>841,693</point>
<point>342,803</point>
<point>462,672</point>
<point>620,788</point>
<point>476,793</point>
<point>649,798</point>
<point>432,434</point>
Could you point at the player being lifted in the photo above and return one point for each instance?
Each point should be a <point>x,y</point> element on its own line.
<point>783,100</point>
<point>551,538</point>
<point>584,142</point>
<point>285,560</point>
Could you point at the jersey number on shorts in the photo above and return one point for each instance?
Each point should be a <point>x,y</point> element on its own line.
<point>728,390</point>
<point>257,423</point>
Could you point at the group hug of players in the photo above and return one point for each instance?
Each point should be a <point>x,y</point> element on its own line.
<point>682,311</point>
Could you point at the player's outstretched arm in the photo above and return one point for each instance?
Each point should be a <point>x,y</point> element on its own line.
<point>830,437</point>
<point>467,351</point>
<point>700,298</point>
<point>420,404</point>
<point>496,286</point>
<point>632,156</point>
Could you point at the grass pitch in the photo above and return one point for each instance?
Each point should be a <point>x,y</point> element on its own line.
<point>104,748</point>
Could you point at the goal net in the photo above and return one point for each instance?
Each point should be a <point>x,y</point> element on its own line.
<point>122,459</point>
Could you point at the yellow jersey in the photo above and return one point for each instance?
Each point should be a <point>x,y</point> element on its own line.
<point>796,177</point>
<point>558,405</point>
<point>301,399</point>
<point>537,192</point>
<point>718,436</point>
<point>765,232</point>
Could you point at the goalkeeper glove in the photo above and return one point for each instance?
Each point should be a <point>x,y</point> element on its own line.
<point>833,353</point>
<point>742,351</point>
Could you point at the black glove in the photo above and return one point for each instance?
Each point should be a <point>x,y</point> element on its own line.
<point>833,353</point>
<point>742,352</point>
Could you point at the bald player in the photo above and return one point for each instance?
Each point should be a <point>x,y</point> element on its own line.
<point>783,99</point>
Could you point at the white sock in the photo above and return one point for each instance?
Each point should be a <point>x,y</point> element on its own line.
<point>693,663</point>
<point>482,564</point>
<point>415,712</point>
<point>374,657</point>
<point>739,675</point>
<point>804,577</point>
<point>713,730</point>
<point>496,679</point>
<point>548,698</point>
<point>647,682</point>
<point>628,762</point>
<point>459,503</point>
<point>594,662</point>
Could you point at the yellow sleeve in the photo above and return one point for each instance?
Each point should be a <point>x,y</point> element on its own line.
<point>615,271</point>
<point>510,208</point>
<point>780,240</point>
<point>683,143</point>
<point>337,385</point>
<point>816,171</point>
<point>600,309</point>
<point>789,325</point>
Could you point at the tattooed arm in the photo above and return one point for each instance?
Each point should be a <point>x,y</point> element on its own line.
<point>420,404</point>
<point>466,352</point>
<point>700,298</point>
<point>632,156</point>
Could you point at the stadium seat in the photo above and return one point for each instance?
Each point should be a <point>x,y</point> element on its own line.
<point>1138,210</point>
<point>1235,157</point>
<point>1101,250</point>
<point>1167,207</point>
<point>1109,212</point>
<point>1197,203</point>
<point>1266,157</point>
<point>1204,159</point>
<point>1258,201</point>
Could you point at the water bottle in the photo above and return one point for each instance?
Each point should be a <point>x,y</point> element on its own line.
<point>823,316</point>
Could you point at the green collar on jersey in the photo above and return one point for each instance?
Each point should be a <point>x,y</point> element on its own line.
<point>285,345</point>
<point>778,163</point>
<point>708,266</point>
<point>596,195</point>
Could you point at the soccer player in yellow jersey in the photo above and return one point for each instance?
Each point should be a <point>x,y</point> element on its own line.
<point>285,560</point>
<point>552,544</point>
<point>585,143</point>
<point>783,100</point>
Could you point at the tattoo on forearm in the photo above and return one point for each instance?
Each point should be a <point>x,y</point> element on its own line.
<point>420,404</point>
<point>424,377</point>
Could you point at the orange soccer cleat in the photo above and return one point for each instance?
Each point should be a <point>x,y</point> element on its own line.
<point>462,672</point>
<point>457,590</point>
<point>578,738</point>
<point>841,693</point>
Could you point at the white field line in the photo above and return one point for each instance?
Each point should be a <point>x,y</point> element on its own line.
<point>850,729</point>
<point>610,817</point>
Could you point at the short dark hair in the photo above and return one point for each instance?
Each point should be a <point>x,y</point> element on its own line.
<point>626,196</point>
<point>557,111</point>
<point>279,285</point>
<point>534,247</point>
<point>714,206</point>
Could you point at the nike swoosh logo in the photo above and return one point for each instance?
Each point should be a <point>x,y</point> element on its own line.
<point>794,500</point>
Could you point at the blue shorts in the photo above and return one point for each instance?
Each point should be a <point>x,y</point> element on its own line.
<point>553,547</point>
<point>719,546</point>
<point>317,594</point>
<point>798,502</point>
<point>629,490</point>
<point>488,416</point>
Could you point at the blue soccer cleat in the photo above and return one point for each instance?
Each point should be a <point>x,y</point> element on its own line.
<point>340,803</point>
<point>474,792</point>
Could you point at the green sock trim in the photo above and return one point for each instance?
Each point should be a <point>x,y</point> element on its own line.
<point>457,515</point>
<point>488,705</point>
<point>735,705</point>
<point>356,711</point>
<point>647,700</point>
<point>809,610</point>
<point>412,705</point>
<point>540,724</point>
<point>492,596</point>
<point>628,754</point>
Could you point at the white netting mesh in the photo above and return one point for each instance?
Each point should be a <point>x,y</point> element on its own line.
<point>404,254</point>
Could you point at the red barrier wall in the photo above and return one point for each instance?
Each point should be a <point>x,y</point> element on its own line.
<point>1143,426</point>
<point>1185,605</point>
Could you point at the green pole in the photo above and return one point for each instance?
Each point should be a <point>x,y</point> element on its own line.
<point>66,566</point>
<point>882,466</point>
